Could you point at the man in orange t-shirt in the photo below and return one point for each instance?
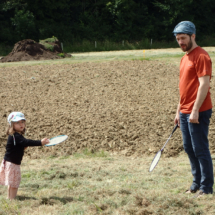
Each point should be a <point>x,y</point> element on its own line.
<point>195,107</point>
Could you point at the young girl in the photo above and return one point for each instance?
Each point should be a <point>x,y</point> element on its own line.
<point>10,174</point>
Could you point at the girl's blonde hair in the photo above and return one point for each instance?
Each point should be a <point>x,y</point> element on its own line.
<point>10,130</point>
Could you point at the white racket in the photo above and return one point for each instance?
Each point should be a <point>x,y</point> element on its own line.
<point>158,155</point>
<point>56,140</point>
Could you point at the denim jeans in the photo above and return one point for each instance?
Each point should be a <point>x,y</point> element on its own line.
<point>195,141</point>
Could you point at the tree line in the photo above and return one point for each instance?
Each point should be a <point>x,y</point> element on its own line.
<point>113,20</point>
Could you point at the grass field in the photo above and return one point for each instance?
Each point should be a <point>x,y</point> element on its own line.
<point>102,183</point>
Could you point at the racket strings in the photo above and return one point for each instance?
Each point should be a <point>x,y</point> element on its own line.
<point>155,161</point>
<point>57,140</point>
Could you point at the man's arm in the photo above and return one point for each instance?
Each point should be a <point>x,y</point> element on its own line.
<point>204,84</point>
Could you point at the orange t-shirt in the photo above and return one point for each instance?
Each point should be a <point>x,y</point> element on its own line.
<point>193,66</point>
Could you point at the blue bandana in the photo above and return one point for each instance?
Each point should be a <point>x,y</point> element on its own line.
<point>184,27</point>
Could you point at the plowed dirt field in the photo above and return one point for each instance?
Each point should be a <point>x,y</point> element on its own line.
<point>124,107</point>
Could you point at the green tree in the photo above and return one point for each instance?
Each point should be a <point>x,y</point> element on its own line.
<point>168,13</point>
<point>23,23</point>
<point>102,19</point>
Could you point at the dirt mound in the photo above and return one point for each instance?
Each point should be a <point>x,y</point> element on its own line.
<point>27,50</point>
<point>125,107</point>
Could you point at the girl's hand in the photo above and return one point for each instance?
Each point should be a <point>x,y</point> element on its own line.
<point>44,141</point>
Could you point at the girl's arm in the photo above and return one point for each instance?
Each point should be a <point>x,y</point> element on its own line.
<point>27,142</point>
<point>20,140</point>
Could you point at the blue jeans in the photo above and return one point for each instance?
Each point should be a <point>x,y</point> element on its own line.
<point>195,141</point>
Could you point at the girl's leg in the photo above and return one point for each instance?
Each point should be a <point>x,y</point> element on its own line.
<point>12,192</point>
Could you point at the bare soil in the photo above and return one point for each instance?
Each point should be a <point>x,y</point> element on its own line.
<point>124,107</point>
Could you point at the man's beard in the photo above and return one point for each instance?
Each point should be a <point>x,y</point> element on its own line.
<point>188,47</point>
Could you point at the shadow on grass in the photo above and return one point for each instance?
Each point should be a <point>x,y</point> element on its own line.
<point>23,198</point>
<point>64,200</point>
<point>47,201</point>
<point>55,200</point>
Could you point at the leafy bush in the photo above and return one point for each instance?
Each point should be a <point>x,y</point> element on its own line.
<point>61,54</point>
<point>51,40</point>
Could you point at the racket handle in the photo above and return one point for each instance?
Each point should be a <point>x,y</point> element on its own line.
<point>176,126</point>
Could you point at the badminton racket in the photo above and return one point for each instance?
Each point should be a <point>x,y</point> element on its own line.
<point>56,140</point>
<point>158,155</point>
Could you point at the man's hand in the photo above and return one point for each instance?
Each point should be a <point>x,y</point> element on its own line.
<point>177,120</point>
<point>194,117</point>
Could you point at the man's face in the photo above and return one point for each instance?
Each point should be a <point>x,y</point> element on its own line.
<point>184,41</point>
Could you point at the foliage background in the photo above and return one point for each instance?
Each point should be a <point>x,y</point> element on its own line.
<point>102,20</point>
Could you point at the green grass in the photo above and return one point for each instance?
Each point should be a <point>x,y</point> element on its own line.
<point>87,184</point>
<point>89,46</point>
<point>61,55</point>
<point>50,40</point>
<point>47,45</point>
<point>90,153</point>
